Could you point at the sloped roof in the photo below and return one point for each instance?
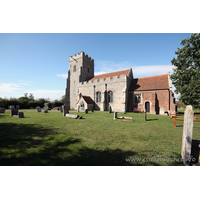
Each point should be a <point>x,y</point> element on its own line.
<point>159,82</point>
<point>88,99</point>
<point>118,73</point>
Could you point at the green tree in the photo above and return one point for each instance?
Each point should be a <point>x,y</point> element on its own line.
<point>186,75</point>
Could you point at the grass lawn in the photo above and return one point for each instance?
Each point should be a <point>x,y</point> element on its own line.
<point>97,139</point>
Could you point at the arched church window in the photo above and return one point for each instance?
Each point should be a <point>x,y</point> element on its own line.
<point>139,99</point>
<point>110,96</point>
<point>98,96</point>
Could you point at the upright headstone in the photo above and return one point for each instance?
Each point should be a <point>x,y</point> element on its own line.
<point>64,110</point>
<point>14,112</point>
<point>86,111</point>
<point>115,115</point>
<point>187,135</point>
<point>145,115</point>
<point>61,109</point>
<point>21,115</point>
<point>110,109</point>
<point>38,109</point>
<point>46,107</point>
<point>2,110</point>
<point>162,111</point>
<point>78,108</point>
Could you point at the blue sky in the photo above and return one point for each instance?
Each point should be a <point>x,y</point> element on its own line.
<point>38,62</point>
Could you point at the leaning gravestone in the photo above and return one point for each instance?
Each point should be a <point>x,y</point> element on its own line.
<point>38,109</point>
<point>187,135</point>
<point>2,110</point>
<point>21,115</point>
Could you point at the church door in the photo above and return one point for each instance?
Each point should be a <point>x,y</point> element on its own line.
<point>82,108</point>
<point>147,106</point>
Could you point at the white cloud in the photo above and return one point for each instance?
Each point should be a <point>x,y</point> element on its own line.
<point>138,71</point>
<point>62,75</point>
<point>151,70</point>
<point>9,87</point>
<point>52,94</point>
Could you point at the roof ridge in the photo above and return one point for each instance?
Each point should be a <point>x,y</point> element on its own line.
<point>112,72</point>
<point>151,76</point>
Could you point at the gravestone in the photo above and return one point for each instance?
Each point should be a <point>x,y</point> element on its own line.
<point>46,111</point>
<point>64,110</point>
<point>46,107</point>
<point>61,109</point>
<point>21,115</point>
<point>78,109</point>
<point>38,109</point>
<point>73,116</point>
<point>145,115</point>
<point>110,109</point>
<point>86,111</point>
<point>18,106</point>
<point>2,110</point>
<point>115,115</point>
<point>162,111</point>
<point>14,112</point>
<point>187,135</point>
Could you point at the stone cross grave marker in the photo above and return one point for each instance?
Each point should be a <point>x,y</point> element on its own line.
<point>187,135</point>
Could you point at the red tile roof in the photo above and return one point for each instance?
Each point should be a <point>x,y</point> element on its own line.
<point>118,73</point>
<point>159,82</point>
<point>88,99</point>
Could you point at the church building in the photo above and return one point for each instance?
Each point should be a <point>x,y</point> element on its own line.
<point>118,91</point>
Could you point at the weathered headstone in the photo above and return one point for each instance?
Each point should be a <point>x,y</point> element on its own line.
<point>14,112</point>
<point>187,135</point>
<point>2,110</point>
<point>46,111</point>
<point>61,109</point>
<point>21,115</point>
<point>46,107</point>
<point>38,109</point>
<point>86,111</point>
<point>64,110</point>
<point>110,109</point>
<point>115,115</point>
<point>162,111</point>
<point>145,115</point>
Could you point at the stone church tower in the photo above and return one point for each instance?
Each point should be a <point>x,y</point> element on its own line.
<point>81,68</point>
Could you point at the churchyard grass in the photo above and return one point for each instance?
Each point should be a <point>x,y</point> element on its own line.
<point>51,139</point>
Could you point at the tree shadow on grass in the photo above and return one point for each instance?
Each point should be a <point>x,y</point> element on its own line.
<point>31,145</point>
